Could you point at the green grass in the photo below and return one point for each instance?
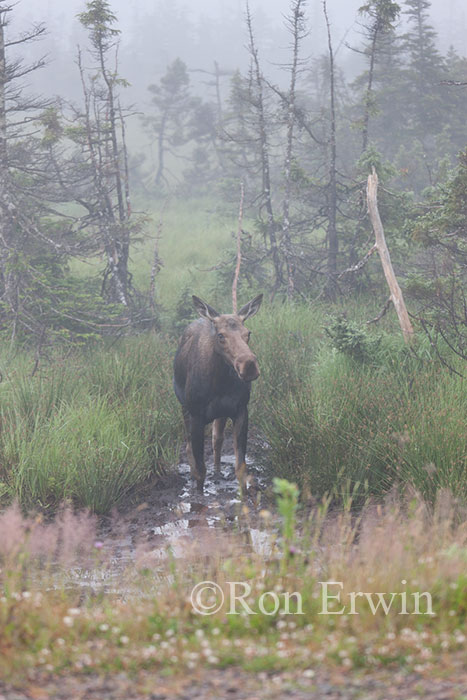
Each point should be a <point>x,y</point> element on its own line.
<point>193,239</point>
<point>330,420</point>
<point>391,418</point>
<point>91,426</point>
<point>88,428</point>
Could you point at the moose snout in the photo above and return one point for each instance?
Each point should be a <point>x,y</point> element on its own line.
<point>247,368</point>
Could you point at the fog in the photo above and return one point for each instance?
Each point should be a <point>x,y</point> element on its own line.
<point>155,32</point>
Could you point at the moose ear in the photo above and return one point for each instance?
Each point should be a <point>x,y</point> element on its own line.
<point>251,308</point>
<point>204,309</point>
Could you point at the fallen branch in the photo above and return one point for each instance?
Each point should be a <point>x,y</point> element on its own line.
<point>358,266</point>
<point>382,313</point>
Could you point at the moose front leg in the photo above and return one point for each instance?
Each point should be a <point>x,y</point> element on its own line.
<point>217,440</point>
<point>240,433</point>
<point>198,467</point>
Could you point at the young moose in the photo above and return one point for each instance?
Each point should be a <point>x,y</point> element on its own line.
<point>213,371</point>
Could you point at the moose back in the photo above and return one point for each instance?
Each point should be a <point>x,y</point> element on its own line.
<point>213,371</point>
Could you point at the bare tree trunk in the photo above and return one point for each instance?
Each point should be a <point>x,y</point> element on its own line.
<point>396,292</point>
<point>239,249</point>
<point>296,28</point>
<point>333,241</point>
<point>106,212</point>
<point>369,92</point>
<point>121,237</point>
<point>7,208</point>
<point>264,145</point>
<point>219,116</point>
<point>3,81</point>
<point>161,151</point>
<point>157,262</point>
<point>113,133</point>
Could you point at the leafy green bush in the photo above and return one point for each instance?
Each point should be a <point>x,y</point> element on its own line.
<point>352,340</point>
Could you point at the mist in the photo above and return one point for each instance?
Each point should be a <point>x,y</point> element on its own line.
<point>154,34</point>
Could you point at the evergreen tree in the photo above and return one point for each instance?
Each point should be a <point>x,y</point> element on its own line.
<point>102,185</point>
<point>389,123</point>
<point>379,17</point>
<point>172,105</point>
<point>455,99</point>
<point>36,240</point>
<point>425,71</point>
<point>441,283</point>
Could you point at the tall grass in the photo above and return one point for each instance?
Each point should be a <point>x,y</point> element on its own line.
<point>400,419</point>
<point>90,428</point>
<point>193,239</point>
<point>50,626</point>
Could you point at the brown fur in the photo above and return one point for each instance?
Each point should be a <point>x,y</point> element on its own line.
<point>213,371</point>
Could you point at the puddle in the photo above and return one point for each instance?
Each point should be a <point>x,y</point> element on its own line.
<point>176,519</point>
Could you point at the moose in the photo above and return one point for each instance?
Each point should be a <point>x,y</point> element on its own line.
<point>213,371</point>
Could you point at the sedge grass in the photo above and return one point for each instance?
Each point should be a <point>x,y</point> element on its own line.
<point>90,428</point>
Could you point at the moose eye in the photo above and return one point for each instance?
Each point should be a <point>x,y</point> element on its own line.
<point>249,336</point>
<point>221,337</point>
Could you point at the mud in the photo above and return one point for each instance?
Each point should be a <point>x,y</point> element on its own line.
<point>171,516</point>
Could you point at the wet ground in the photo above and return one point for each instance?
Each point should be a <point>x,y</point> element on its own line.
<point>171,515</point>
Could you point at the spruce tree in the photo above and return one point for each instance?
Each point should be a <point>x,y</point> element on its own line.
<point>172,106</point>
<point>425,73</point>
<point>379,17</point>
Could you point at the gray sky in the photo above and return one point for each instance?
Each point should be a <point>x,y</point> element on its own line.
<point>204,31</point>
<point>449,16</point>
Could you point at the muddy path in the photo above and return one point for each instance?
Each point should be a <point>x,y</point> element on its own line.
<point>171,514</point>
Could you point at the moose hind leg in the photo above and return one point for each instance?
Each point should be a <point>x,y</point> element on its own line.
<point>189,451</point>
<point>198,467</point>
<point>240,432</point>
<point>217,440</point>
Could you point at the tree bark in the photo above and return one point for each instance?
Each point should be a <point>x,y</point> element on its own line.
<point>333,241</point>
<point>396,292</point>
<point>264,146</point>
<point>239,249</point>
<point>296,25</point>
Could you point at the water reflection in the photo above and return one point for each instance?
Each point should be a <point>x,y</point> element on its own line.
<point>180,523</point>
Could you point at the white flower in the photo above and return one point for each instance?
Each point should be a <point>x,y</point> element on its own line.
<point>68,621</point>
<point>149,651</point>
<point>124,639</point>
